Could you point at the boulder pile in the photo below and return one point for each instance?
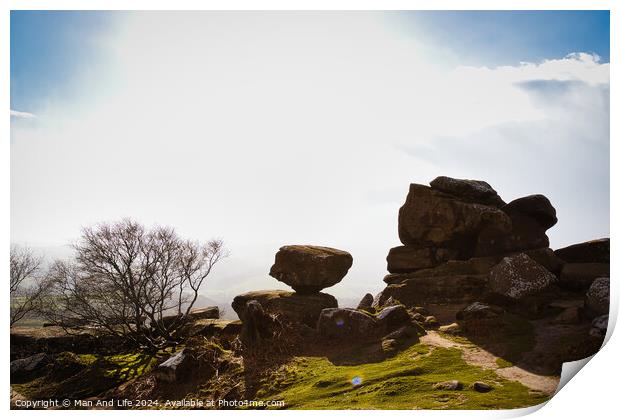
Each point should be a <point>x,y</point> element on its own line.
<point>462,244</point>
<point>307,269</point>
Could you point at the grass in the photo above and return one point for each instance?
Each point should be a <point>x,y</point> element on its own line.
<point>404,381</point>
<point>502,363</point>
<point>85,375</point>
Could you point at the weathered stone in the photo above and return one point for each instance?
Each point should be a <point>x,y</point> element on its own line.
<point>366,302</point>
<point>393,317</point>
<point>537,207</point>
<point>406,332</point>
<point>210,312</point>
<point>347,323</point>
<point>599,326</point>
<point>519,276</point>
<point>430,323</point>
<point>404,259</point>
<point>24,368</point>
<point>568,316</point>
<point>597,297</point>
<point>176,368</point>
<point>480,318</point>
<point>415,291</point>
<point>481,386</point>
<point>308,268</point>
<point>547,258</point>
<point>579,276</point>
<point>432,217</point>
<point>452,329</point>
<point>472,266</point>
<point>468,190</point>
<point>453,385</point>
<point>595,251</point>
<point>287,306</point>
<point>258,325</point>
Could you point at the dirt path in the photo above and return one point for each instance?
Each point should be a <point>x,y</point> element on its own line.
<point>480,357</point>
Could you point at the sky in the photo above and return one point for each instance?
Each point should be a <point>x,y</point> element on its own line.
<point>273,128</point>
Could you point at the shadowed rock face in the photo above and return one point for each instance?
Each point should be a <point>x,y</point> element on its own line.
<point>537,207</point>
<point>597,297</point>
<point>468,189</point>
<point>309,269</point>
<point>346,323</point>
<point>519,276</point>
<point>287,306</point>
<point>434,218</point>
<point>596,251</point>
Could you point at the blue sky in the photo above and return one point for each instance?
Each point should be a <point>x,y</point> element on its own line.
<point>274,128</point>
<point>48,48</point>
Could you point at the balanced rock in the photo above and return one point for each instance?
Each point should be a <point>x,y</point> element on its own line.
<point>468,190</point>
<point>347,323</point>
<point>309,269</point>
<point>597,297</point>
<point>433,217</point>
<point>519,276</point>
<point>287,306</point>
<point>596,251</point>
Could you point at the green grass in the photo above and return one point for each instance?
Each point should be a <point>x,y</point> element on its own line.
<point>85,375</point>
<point>404,381</point>
<point>503,363</point>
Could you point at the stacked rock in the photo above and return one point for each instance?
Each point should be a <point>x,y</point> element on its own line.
<point>307,269</point>
<point>453,234</point>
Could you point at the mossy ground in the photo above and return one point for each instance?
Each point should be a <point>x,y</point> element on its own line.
<point>404,381</point>
<point>85,375</point>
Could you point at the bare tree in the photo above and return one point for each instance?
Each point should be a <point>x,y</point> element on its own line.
<point>26,284</point>
<point>126,281</point>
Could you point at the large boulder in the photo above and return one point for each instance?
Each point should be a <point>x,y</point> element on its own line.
<point>414,291</point>
<point>596,251</point>
<point>432,217</point>
<point>287,306</point>
<point>404,259</point>
<point>308,268</point>
<point>579,276</point>
<point>531,216</point>
<point>537,207</point>
<point>176,368</point>
<point>518,277</point>
<point>393,317</point>
<point>22,369</point>
<point>347,323</point>
<point>366,302</point>
<point>472,266</point>
<point>257,325</point>
<point>209,312</point>
<point>597,297</point>
<point>468,190</point>
<point>480,318</point>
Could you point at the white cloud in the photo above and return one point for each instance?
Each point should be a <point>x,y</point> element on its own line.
<point>20,114</point>
<point>267,129</point>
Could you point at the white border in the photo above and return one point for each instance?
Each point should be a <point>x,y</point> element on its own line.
<point>592,395</point>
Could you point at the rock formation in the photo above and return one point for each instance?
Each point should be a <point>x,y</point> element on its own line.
<point>307,269</point>
<point>461,243</point>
